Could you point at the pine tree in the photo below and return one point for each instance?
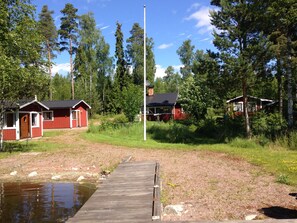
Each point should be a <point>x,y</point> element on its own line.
<point>135,55</point>
<point>48,30</point>
<point>236,41</point>
<point>68,35</point>
<point>122,70</point>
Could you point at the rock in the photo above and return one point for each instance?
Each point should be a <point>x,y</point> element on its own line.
<point>14,173</point>
<point>250,217</point>
<point>174,209</point>
<point>56,177</point>
<point>81,178</point>
<point>32,174</point>
<point>74,168</point>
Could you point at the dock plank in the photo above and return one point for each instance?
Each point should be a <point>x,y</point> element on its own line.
<point>126,196</point>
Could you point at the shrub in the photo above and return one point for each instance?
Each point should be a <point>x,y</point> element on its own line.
<point>270,125</point>
<point>288,140</point>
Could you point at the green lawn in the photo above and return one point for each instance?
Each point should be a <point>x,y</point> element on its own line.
<point>278,161</point>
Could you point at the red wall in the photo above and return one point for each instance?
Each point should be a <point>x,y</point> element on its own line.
<point>83,116</point>
<point>9,134</point>
<point>178,114</point>
<point>61,120</point>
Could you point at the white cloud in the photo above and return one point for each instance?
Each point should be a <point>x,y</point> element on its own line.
<point>104,27</point>
<point>62,68</point>
<point>165,46</point>
<point>193,7</point>
<point>202,18</point>
<point>160,71</point>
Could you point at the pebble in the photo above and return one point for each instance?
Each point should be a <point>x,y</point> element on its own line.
<point>56,177</point>
<point>14,173</point>
<point>80,178</point>
<point>174,209</point>
<point>32,174</point>
<point>250,217</point>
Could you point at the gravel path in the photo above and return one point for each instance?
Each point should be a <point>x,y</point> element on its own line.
<point>210,186</point>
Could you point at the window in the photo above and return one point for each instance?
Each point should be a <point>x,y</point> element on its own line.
<point>73,115</point>
<point>9,120</point>
<point>238,107</point>
<point>35,120</point>
<point>48,116</point>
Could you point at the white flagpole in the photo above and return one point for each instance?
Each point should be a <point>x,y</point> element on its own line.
<point>144,74</point>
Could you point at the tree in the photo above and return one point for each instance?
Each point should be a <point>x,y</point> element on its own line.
<point>195,98</point>
<point>68,35</point>
<point>92,63</point>
<point>48,30</point>
<point>135,55</point>
<point>172,80</point>
<point>186,55</point>
<point>131,101</point>
<point>122,78</point>
<point>236,42</point>
<point>21,73</point>
<point>61,87</point>
<point>282,17</point>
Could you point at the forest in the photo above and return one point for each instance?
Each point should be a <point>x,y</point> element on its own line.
<point>256,44</point>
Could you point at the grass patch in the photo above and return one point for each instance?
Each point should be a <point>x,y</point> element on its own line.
<point>53,133</point>
<point>275,160</point>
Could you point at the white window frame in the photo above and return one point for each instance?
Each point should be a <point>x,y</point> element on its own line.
<point>48,120</point>
<point>37,125</point>
<point>5,121</point>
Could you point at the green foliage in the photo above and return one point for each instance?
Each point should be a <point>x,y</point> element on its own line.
<point>49,33</point>
<point>243,143</point>
<point>92,64</point>
<point>135,55</point>
<point>283,179</point>
<point>194,98</point>
<point>186,55</point>
<point>61,87</point>
<point>271,125</point>
<point>131,101</point>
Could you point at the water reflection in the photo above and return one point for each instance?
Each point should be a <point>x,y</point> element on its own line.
<point>42,202</point>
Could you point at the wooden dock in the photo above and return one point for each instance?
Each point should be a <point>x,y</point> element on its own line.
<point>130,194</point>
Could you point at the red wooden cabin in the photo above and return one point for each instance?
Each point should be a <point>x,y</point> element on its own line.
<point>65,114</point>
<point>23,120</point>
<point>163,107</point>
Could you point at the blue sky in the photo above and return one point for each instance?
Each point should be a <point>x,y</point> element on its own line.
<point>169,23</point>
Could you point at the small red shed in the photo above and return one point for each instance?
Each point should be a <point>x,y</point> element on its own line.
<point>23,120</point>
<point>65,114</point>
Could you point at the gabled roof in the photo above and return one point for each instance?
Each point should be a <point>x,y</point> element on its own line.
<point>166,99</point>
<point>22,103</point>
<point>252,97</point>
<point>64,104</point>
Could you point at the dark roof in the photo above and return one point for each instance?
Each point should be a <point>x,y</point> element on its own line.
<point>64,103</point>
<point>22,103</point>
<point>166,99</point>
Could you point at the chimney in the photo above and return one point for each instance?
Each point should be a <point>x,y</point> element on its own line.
<point>35,98</point>
<point>150,90</point>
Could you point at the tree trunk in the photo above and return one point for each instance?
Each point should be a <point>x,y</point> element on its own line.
<point>71,69</point>
<point>245,108</point>
<point>280,87</point>
<point>49,70</point>
<point>289,86</point>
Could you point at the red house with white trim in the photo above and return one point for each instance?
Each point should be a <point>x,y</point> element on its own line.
<point>23,120</point>
<point>65,114</point>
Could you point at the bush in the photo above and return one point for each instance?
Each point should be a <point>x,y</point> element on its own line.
<point>270,125</point>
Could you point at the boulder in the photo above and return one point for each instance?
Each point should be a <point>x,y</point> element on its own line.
<point>174,209</point>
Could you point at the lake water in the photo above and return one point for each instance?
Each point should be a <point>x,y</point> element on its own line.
<point>42,202</point>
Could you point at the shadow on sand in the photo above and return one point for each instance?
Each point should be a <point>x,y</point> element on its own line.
<point>279,212</point>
